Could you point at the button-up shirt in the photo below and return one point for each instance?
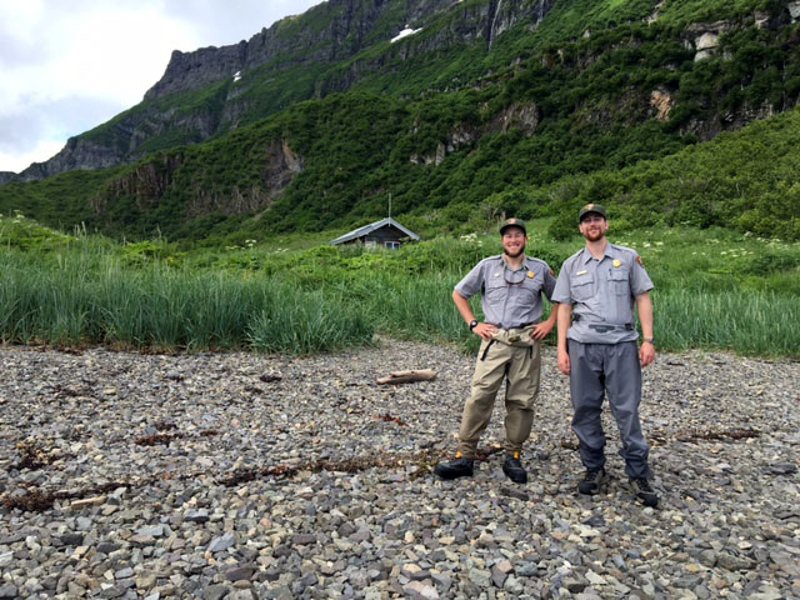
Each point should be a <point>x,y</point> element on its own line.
<point>602,294</point>
<point>510,297</point>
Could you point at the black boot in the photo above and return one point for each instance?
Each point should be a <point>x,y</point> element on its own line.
<point>514,470</point>
<point>645,492</point>
<point>453,469</point>
<point>592,481</point>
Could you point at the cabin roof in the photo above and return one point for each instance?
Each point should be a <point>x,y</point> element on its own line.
<point>367,229</point>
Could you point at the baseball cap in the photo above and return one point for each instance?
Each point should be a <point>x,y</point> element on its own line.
<point>592,208</point>
<point>513,223</point>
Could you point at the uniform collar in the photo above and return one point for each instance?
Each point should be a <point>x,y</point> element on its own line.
<point>586,256</point>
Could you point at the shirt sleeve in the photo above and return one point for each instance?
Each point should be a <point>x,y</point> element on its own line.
<point>549,282</point>
<point>561,292</point>
<point>473,282</point>
<point>640,280</point>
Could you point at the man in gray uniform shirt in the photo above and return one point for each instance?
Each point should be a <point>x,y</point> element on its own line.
<point>511,287</point>
<point>596,291</point>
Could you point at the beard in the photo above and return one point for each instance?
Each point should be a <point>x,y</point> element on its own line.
<point>514,254</point>
<point>594,235</point>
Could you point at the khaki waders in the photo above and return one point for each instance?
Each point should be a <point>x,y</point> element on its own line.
<point>514,356</point>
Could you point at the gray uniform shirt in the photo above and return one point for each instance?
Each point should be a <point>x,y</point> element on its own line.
<point>510,298</point>
<point>602,294</point>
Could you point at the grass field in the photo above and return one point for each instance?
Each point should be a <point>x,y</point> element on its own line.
<point>715,290</point>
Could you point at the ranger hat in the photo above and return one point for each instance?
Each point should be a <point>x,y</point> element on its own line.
<point>513,223</point>
<point>592,208</point>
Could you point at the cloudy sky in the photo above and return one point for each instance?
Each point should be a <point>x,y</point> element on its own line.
<point>68,66</point>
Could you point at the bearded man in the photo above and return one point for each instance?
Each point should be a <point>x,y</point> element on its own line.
<point>511,287</point>
<point>598,288</point>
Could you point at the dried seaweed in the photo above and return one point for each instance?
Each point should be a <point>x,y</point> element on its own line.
<point>158,438</point>
<point>717,436</point>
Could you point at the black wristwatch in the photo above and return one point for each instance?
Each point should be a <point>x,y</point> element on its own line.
<point>473,325</point>
<point>649,341</point>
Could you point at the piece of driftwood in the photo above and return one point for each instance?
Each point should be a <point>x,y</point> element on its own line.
<point>408,376</point>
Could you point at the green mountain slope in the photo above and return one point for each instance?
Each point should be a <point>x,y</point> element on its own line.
<point>585,103</point>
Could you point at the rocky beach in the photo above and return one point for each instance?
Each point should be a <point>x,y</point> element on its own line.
<point>243,476</point>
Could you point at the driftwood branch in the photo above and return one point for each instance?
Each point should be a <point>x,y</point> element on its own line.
<point>408,376</point>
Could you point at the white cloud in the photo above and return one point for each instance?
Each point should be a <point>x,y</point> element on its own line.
<point>66,67</point>
<point>16,161</point>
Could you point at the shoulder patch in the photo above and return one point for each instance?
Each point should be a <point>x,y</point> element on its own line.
<point>639,260</point>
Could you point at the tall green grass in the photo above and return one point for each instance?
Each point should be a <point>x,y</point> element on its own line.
<point>714,290</point>
<point>73,303</point>
<point>307,322</point>
<point>756,323</point>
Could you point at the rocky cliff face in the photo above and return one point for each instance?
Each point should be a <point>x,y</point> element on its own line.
<point>229,83</point>
<point>523,117</point>
<point>349,27</point>
<point>475,23</point>
<point>79,154</point>
<point>346,24</point>
<point>150,181</point>
<point>334,31</point>
<point>146,184</point>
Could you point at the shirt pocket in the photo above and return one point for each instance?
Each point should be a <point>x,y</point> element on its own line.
<point>620,282</point>
<point>531,288</point>
<point>581,287</point>
<point>495,289</point>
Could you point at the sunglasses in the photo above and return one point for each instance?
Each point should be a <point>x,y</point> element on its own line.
<point>513,281</point>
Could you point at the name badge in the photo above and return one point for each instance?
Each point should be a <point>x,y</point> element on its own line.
<point>584,272</point>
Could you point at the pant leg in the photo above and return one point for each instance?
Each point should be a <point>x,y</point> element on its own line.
<point>521,393</point>
<point>586,384</point>
<point>490,371</point>
<point>624,385</point>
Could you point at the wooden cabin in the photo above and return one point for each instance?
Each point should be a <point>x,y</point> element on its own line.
<point>386,233</point>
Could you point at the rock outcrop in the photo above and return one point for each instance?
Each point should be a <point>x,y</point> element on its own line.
<point>80,153</point>
<point>522,117</point>
<point>662,102</point>
<point>147,184</point>
<point>704,38</point>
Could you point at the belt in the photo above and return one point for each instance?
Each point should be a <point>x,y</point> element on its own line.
<point>522,326</point>
<point>516,337</point>
<point>606,328</point>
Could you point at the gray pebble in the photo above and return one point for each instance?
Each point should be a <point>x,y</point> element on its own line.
<point>319,485</point>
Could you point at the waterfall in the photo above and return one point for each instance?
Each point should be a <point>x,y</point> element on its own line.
<point>494,23</point>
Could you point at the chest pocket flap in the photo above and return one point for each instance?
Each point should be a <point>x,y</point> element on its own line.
<point>620,282</point>
<point>581,286</point>
<point>494,285</point>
